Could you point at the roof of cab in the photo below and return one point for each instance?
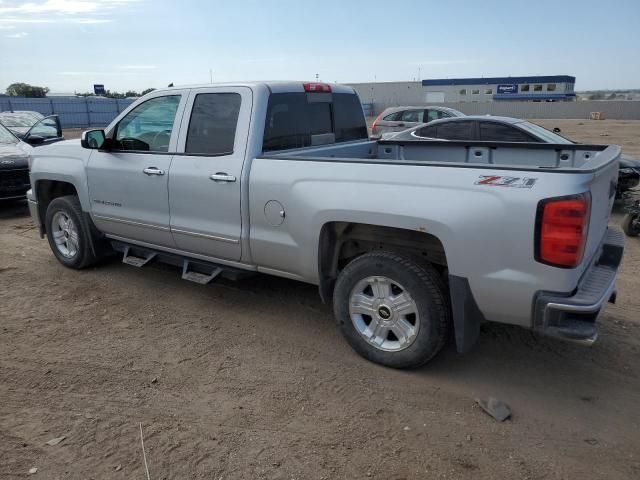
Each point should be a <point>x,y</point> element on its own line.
<point>273,86</point>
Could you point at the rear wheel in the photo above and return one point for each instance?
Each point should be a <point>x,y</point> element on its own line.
<point>631,224</point>
<point>391,309</point>
<point>68,234</point>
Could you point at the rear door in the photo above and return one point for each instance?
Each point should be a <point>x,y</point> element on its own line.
<point>408,119</point>
<point>205,177</point>
<point>128,183</point>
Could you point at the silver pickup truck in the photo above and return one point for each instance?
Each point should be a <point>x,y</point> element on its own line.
<point>408,239</point>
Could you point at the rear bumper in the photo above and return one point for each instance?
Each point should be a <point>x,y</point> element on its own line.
<point>573,316</point>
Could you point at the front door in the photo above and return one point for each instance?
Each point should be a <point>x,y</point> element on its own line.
<point>128,184</point>
<point>205,179</point>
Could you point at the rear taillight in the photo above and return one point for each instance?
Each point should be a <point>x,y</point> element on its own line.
<point>374,126</point>
<point>317,87</point>
<point>561,230</point>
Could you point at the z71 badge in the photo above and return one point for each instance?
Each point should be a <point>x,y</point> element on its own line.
<point>499,181</point>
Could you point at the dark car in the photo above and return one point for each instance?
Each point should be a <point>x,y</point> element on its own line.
<point>485,128</point>
<point>14,166</point>
<point>33,127</point>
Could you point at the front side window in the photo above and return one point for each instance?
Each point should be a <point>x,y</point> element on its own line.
<point>212,127</point>
<point>496,132</point>
<point>432,115</point>
<point>47,128</point>
<point>412,116</point>
<point>148,127</point>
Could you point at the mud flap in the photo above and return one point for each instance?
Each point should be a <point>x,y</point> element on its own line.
<point>467,317</point>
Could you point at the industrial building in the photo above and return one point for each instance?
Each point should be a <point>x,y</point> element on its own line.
<point>542,88</point>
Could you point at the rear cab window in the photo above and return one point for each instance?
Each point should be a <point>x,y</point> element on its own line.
<point>306,119</point>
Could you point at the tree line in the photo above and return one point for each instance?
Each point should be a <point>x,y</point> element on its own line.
<point>20,89</point>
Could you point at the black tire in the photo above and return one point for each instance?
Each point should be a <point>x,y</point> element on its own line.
<point>423,284</point>
<point>631,224</point>
<point>70,206</point>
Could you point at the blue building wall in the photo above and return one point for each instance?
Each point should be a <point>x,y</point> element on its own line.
<point>74,112</point>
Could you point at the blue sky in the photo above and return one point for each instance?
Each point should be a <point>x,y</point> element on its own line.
<point>69,45</point>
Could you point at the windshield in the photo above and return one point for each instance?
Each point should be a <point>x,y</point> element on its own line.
<point>6,136</point>
<point>15,119</point>
<point>543,134</point>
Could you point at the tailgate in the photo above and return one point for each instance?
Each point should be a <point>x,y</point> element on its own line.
<point>603,191</point>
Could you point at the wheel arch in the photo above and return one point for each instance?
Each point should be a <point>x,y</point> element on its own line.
<point>45,192</point>
<point>340,242</point>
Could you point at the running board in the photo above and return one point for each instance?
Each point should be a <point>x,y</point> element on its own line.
<point>137,261</point>
<point>204,276</point>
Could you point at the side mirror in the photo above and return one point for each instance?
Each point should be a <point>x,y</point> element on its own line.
<point>33,140</point>
<point>556,130</point>
<point>92,139</point>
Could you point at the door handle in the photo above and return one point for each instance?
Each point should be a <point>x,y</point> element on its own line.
<point>222,177</point>
<point>153,171</point>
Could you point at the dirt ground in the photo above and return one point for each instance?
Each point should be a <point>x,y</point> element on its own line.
<point>252,380</point>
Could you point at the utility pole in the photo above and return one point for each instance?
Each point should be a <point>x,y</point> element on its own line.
<point>317,76</point>
<point>210,76</point>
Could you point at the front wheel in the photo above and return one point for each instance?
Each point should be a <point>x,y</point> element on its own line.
<point>391,309</point>
<point>68,235</point>
<point>631,224</point>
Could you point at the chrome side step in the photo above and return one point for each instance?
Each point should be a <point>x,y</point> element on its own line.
<point>137,261</point>
<point>194,270</point>
<point>199,272</point>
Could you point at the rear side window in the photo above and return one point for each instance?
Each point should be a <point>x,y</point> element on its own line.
<point>455,131</point>
<point>427,132</point>
<point>495,132</point>
<point>212,127</point>
<point>300,120</point>
<point>412,116</point>
<point>393,117</point>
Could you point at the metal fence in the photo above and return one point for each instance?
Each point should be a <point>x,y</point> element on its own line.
<point>74,112</point>
<point>611,109</point>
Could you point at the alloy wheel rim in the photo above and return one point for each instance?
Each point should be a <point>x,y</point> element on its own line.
<point>65,235</point>
<point>384,313</point>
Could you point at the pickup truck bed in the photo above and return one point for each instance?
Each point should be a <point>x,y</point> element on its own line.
<point>407,239</point>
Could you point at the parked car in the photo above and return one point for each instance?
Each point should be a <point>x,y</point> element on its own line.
<point>506,129</point>
<point>33,127</point>
<point>14,166</point>
<point>407,239</point>
<point>396,119</point>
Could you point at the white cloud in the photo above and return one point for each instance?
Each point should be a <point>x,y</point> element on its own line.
<point>50,11</point>
<point>69,7</point>
<point>17,35</point>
